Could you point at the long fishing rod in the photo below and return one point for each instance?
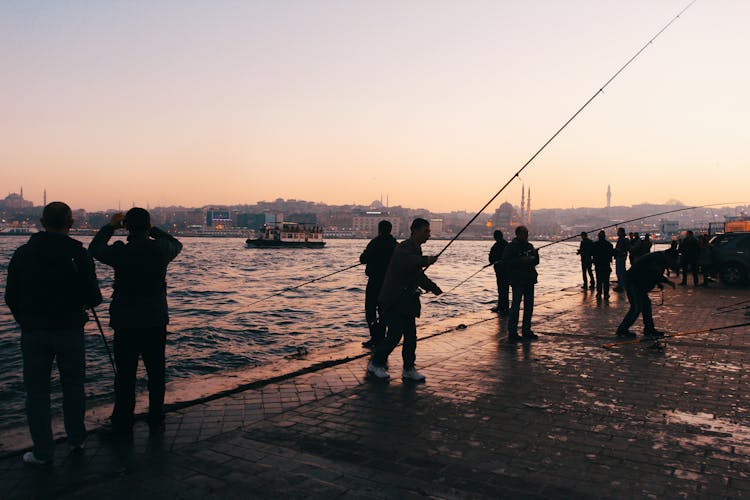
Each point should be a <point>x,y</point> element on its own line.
<point>600,91</point>
<point>594,231</point>
<point>288,289</point>
<point>104,339</point>
<point>678,334</point>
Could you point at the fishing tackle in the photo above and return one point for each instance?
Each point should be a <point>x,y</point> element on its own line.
<point>600,91</point>
<point>104,339</point>
<point>678,334</point>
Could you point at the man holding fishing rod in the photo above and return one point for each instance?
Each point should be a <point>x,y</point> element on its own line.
<point>400,305</point>
<point>51,283</point>
<point>138,312</point>
<point>645,273</point>
<point>521,258</point>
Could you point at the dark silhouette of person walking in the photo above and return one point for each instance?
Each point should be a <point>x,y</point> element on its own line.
<point>138,312</point>
<point>376,256</point>
<point>51,282</point>
<point>602,253</point>
<point>400,305</point>
<point>646,273</point>
<point>584,250</point>
<point>521,259</point>
<point>501,274</point>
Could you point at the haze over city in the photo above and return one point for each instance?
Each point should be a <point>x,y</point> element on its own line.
<point>430,104</point>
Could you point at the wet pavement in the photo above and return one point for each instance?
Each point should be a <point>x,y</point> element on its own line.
<point>559,417</point>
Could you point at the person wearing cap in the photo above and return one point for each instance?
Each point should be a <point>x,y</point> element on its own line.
<point>51,283</point>
<point>138,311</point>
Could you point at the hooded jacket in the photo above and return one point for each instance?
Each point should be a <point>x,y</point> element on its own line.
<point>51,282</point>
<point>647,272</point>
<point>403,279</point>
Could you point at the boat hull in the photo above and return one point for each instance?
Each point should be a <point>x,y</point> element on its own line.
<point>261,243</point>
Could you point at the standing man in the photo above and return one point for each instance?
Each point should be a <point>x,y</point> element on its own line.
<point>138,312</point>
<point>376,256</point>
<point>646,273</point>
<point>51,283</point>
<point>521,259</point>
<point>690,252</point>
<point>584,250</point>
<point>501,274</point>
<point>399,302</point>
<point>622,247</point>
<point>602,252</point>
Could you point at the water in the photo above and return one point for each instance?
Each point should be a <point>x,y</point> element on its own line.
<point>213,328</point>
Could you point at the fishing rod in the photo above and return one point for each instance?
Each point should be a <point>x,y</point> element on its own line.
<point>573,117</point>
<point>288,289</point>
<point>597,230</point>
<point>678,334</point>
<point>104,339</point>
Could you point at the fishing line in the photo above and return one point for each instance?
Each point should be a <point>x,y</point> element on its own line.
<point>678,334</point>
<point>288,289</point>
<point>600,91</point>
<point>597,230</point>
<point>104,339</point>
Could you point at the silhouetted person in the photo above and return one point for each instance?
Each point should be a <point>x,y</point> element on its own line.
<point>138,312</point>
<point>51,283</point>
<point>689,255</point>
<point>376,256</point>
<point>602,253</point>
<point>646,244</point>
<point>622,247</point>
<point>706,261</point>
<point>521,260</point>
<point>635,247</point>
<point>584,250</point>
<point>646,273</point>
<point>399,302</point>
<point>501,274</point>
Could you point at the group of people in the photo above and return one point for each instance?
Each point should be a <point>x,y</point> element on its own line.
<point>51,285</point>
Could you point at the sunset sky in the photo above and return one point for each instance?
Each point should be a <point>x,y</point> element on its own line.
<point>433,104</point>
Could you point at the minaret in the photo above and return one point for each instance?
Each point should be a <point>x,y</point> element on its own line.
<point>523,204</point>
<point>609,197</point>
<point>22,192</point>
<point>45,197</point>
<point>528,208</point>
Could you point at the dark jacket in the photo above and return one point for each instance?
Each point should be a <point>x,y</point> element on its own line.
<point>690,249</point>
<point>602,253</point>
<point>622,247</point>
<point>647,272</point>
<point>377,255</point>
<point>496,255</point>
<point>521,260</point>
<point>139,299</point>
<point>585,249</point>
<point>404,276</point>
<point>51,281</point>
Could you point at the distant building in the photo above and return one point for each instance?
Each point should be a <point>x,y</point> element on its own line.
<point>15,200</point>
<point>504,218</point>
<point>366,224</point>
<point>218,218</point>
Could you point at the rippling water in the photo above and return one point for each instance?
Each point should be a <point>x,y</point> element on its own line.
<point>214,328</point>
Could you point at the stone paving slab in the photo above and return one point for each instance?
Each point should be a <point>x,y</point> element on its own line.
<point>558,418</point>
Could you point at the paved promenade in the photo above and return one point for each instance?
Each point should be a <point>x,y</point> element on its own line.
<point>561,417</point>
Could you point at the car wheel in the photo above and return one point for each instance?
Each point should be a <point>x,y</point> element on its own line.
<point>733,274</point>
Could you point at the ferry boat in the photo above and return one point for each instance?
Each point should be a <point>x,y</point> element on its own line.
<point>288,235</point>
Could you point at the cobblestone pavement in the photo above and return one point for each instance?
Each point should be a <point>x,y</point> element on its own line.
<point>559,417</point>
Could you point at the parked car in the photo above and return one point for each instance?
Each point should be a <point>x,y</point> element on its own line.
<point>731,256</point>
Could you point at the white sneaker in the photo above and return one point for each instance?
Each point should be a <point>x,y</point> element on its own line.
<point>378,372</point>
<point>30,458</point>
<point>412,375</point>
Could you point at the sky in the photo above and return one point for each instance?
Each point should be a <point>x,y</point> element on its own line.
<point>426,103</point>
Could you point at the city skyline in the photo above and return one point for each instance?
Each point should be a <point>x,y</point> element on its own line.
<point>436,104</point>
